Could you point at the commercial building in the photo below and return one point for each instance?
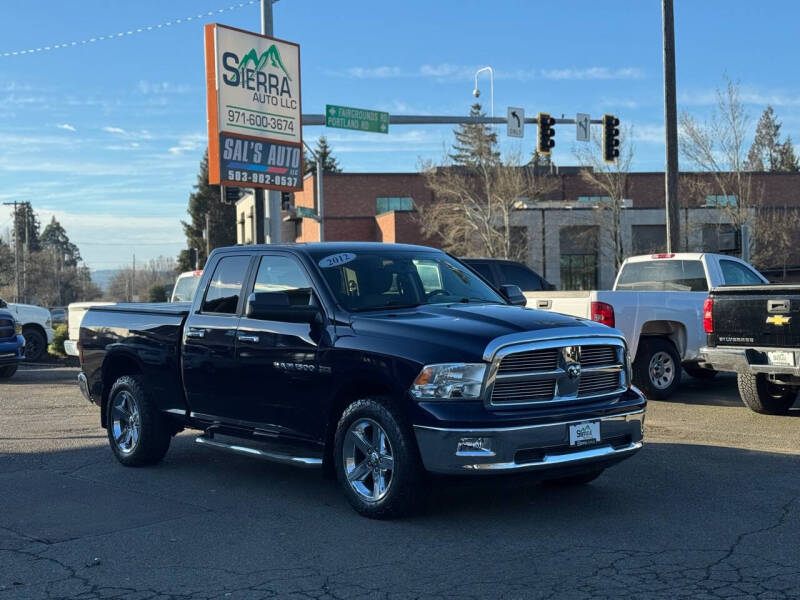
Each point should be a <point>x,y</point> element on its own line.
<point>568,232</point>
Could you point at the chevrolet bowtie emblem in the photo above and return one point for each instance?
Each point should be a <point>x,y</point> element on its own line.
<point>778,320</point>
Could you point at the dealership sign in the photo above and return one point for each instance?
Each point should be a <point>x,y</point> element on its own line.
<point>255,136</point>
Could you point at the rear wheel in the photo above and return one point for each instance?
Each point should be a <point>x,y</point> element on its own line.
<point>377,462</point>
<point>699,372</point>
<point>759,394</point>
<point>657,368</point>
<point>137,432</point>
<point>6,372</point>
<point>35,343</point>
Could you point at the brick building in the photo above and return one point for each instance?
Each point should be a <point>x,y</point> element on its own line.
<point>567,231</point>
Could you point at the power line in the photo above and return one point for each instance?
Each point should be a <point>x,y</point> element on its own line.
<point>128,32</point>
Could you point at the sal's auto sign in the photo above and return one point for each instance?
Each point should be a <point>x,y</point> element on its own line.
<point>255,137</point>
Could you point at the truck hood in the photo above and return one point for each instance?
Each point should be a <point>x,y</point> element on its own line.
<point>454,332</point>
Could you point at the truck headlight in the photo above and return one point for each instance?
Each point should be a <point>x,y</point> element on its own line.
<point>17,327</point>
<point>449,381</point>
<point>48,323</point>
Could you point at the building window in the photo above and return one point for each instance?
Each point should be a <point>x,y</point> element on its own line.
<point>385,205</point>
<point>594,199</point>
<point>718,200</point>
<point>648,239</point>
<point>578,246</point>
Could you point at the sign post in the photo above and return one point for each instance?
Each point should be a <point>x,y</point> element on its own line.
<point>255,134</point>
<point>358,119</point>
<point>515,125</point>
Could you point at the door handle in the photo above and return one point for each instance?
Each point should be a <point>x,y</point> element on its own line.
<point>243,337</point>
<point>195,333</point>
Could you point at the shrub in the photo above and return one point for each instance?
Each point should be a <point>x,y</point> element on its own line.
<point>60,335</point>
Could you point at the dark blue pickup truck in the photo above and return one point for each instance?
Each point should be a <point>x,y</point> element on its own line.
<point>380,362</point>
<point>12,344</point>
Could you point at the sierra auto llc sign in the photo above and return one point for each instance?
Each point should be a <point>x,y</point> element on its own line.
<point>255,135</point>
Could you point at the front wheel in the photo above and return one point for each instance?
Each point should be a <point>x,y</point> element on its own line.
<point>137,432</point>
<point>35,344</point>
<point>759,394</point>
<point>657,368</point>
<point>377,461</point>
<point>6,372</point>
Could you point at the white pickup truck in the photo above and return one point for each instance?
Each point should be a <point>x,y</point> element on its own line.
<point>37,327</point>
<point>657,303</point>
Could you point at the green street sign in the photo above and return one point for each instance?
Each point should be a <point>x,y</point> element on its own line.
<point>306,212</point>
<point>358,119</point>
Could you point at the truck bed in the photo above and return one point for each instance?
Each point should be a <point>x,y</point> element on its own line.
<point>152,308</point>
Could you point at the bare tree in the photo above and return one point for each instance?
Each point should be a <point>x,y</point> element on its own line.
<point>611,180</point>
<point>717,147</point>
<point>473,206</point>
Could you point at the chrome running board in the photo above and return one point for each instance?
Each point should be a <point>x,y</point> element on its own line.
<point>306,462</point>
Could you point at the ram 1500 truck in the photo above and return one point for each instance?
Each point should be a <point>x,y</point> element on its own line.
<point>657,303</point>
<point>380,362</point>
<point>755,332</point>
<point>12,344</point>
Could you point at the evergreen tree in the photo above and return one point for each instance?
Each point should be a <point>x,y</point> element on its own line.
<point>476,143</point>
<point>205,200</point>
<point>768,153</point>
<point>26,227</point>
<point>539,160</point>
<point>54,239</point>
<point>325,153</point>
<point>6,264</point>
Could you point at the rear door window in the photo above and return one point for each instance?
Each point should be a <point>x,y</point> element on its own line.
<point>734,273</point>
<point>485,269</point>
<point>520,276</point>
<point>222,295</point>
<point>664,275</point>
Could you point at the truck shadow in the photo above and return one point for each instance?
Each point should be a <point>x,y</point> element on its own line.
<point>720,391</point>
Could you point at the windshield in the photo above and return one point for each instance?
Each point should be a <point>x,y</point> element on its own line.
<point>392,279</point>
<point>185,288</point>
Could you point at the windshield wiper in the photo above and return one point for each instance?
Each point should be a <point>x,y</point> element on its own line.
<point>391,304</point>
<point>484,300</point>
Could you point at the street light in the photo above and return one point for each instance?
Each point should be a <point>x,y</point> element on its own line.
<point>476,92</point>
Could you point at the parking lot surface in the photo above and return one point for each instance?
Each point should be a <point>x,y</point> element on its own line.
<point>708,509</point>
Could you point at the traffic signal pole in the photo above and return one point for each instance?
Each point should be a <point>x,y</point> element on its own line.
<point>671,128</point>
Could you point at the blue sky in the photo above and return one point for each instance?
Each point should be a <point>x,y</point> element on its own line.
<point>107,135</point>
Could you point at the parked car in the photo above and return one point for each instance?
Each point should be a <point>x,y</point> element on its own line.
<point>185,286</point>
<point>58,315</point>
<point>37,327</point>
<point>340,355</point>
<point>754,331</point>
<point>498,271</point>
<point>12,344</point>
<point>657,303</point>
<point>75,313</point>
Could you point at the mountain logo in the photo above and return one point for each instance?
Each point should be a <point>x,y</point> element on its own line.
<point>271,56</point>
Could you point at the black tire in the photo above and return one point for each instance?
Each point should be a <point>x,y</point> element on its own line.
<point>699,372</point>
<point>658,384</point>
<point>580,479</point>
<point>35,343</point>
<point>152,441</point>
<point>6,372</point>
<point>762,396</point>
<point>407,487</point>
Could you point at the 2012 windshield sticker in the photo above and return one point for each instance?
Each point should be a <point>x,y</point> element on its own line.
<point>334,260</point>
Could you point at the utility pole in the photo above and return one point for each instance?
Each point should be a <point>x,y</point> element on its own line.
<point>273,197</point>
<point>16,249</point>
<point>673,223</point>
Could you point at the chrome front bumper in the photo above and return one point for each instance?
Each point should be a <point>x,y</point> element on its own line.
<point>529,448</point>
<point>83,383</point>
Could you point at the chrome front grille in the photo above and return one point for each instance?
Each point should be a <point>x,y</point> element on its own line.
<point>555,371</point>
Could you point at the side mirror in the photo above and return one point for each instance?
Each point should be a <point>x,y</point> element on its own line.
<point>275,306</point>
<point>513,294</point>
<point>3,303</point>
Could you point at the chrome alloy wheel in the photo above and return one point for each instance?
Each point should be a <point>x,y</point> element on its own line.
<point>126,423</point>
<point>662,370</point>
<point>368,459</point>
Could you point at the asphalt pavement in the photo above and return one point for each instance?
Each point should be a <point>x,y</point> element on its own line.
<point>708,509</point>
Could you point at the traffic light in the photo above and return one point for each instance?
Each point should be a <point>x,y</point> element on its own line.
<point>546,133</point>
<point>610,138</point>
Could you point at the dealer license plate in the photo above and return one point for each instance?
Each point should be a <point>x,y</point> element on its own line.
<point>582,434</point>
<point>780,358</point>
